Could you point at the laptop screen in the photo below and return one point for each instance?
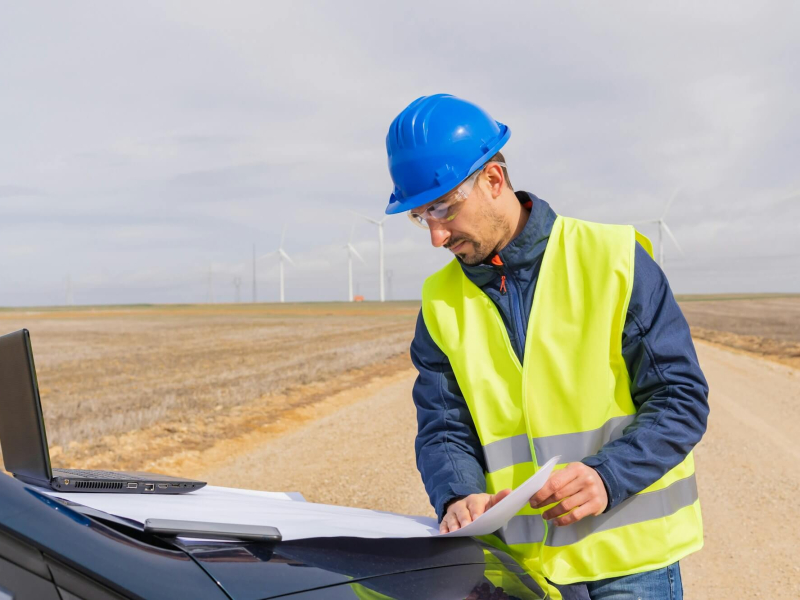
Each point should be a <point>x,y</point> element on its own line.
<point>22,434</point>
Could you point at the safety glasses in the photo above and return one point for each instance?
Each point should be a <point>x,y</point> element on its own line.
<point>448,206</point>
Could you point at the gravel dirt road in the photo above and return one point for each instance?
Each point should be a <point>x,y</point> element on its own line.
<point>358,450</point>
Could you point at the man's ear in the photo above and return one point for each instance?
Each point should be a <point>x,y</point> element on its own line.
<point>495,179</point>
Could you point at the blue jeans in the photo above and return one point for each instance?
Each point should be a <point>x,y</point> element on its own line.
<point>663,584</point>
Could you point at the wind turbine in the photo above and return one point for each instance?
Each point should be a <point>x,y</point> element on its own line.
<point>254,272</point>
<point>662,229</point>
<point>70,298</point>
<point>282,256</point>
<point>380,248</point>
<point>210,285</point>
<point>351,251</point>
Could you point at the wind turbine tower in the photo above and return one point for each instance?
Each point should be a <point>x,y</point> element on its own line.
<point>70,298</point>
<point>210,285</point>
<point>254,273</point>
<point>282,257</point>
<point>663,229</point>
<point>380,250</point>
<point>351,251</point>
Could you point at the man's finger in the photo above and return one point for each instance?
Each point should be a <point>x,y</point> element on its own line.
<point>556,481</point>
<point>462,513</point>
<point>477,506</point>
<point>566,505</point>
<point>570,489</point>
<point>494,499</point>
<point>573,517</point>
<point>451,521</point>
<point>443,527</point>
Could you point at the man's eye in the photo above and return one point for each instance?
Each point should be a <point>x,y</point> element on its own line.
<point>439,211</point>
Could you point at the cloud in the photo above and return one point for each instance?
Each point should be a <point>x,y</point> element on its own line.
<point>16,191</point>
<point>143,143</point>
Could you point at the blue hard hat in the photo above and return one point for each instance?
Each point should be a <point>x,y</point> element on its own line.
<point>435,144</point>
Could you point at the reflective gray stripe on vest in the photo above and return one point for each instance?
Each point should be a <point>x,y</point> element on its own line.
<point>504,453</point>
<point>571,446</point>
<point>574,446</point>
<point>522,529</point>
<point>637,509</point>
<point>529,529</point>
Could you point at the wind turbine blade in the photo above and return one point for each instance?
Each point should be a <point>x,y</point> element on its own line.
<point>354,251</point>
<point>283,236</point>
<point>671,200</point>
<point>371,220</point>
<point>672,237</point>
<point>267,255</point>
<point>789,197</point>
<point>287,257</point>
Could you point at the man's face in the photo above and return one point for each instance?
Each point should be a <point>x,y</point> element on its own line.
<point>477,229</point>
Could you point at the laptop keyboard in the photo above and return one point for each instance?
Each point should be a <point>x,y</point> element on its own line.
<point>99,474</point>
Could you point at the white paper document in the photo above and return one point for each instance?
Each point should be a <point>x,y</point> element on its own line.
<point>296,519</point>
<point>501,513</point>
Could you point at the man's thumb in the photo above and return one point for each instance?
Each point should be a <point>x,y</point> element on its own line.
<point>498,496</point>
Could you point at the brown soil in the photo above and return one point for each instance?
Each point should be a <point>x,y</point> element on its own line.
<point>767,326</point>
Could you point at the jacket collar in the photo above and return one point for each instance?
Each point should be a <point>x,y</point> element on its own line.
<point>525,250</point>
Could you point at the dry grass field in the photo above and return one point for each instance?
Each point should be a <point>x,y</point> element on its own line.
<point>767,325</point>
<point>131,383</point>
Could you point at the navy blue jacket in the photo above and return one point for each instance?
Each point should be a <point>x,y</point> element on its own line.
<point>667,386</point>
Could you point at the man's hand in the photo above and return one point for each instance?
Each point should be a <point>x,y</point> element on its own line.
<point>576,488</point>
<point>464,511</point>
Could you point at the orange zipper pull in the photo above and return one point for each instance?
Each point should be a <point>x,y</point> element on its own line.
<point>503,284</point>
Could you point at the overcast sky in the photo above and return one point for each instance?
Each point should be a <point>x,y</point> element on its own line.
<point>144,144</point>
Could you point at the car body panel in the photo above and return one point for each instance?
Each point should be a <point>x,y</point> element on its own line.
<point>100,556</point>
<point>257,571</point>
<point>79,548</point>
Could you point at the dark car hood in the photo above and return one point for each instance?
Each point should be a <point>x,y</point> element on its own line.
<point>258,571</point>
<point>119,555</point>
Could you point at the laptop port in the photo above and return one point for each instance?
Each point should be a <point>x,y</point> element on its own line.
<point>133,486</point>
<point>162,486</point>
<point>149,487</point>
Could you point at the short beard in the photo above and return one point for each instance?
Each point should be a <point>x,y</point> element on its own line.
<point>496,228</point>
<point>478,257</point>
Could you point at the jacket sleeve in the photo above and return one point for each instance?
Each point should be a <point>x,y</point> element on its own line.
<point>667,385</point>
<point>449,455</point>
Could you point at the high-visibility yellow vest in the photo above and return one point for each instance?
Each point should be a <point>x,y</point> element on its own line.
<point>570,397</point>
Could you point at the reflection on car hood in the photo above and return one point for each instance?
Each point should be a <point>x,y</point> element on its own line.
<point>259,571</point>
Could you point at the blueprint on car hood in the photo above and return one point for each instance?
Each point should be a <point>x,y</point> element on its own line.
<point>298,520</point>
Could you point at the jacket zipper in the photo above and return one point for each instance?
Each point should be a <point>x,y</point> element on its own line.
<point>507,281</point>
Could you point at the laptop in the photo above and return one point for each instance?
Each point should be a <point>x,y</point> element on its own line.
<point>24,440</point>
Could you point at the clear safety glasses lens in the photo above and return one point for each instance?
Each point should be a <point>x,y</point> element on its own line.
<point>448,207</point>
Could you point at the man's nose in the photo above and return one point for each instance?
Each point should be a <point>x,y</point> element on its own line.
<point>439,235</point>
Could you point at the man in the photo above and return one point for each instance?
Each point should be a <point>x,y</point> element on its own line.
<point>547,336</point>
